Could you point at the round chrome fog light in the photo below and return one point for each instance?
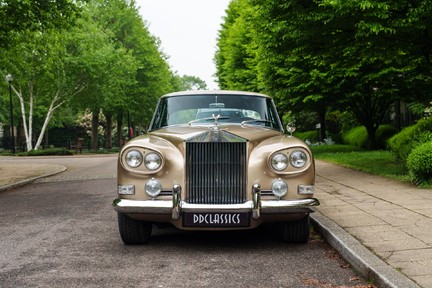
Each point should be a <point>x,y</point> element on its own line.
<point>153,187</point>
<point>279,188</point>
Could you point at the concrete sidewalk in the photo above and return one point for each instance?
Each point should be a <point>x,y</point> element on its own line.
<point>381,227</point>
<point>391,219</point>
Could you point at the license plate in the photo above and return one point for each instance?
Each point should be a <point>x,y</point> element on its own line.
<point>203,219</point>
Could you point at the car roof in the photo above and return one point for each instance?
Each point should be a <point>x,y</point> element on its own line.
<point>214,92</point>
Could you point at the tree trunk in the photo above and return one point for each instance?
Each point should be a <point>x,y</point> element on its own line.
<point>119,129</point>
<point>95,129</point>
<point>108,130</point>
<point>322,120</point>
<point>371,131</point>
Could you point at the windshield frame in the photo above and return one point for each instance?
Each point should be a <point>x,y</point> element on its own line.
<point>261,105</point>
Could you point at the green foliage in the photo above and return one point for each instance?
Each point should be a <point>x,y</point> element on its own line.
<point>18,16</point>
<point>333,149</point>
<point>192,83</point>
<point>358,136</point>
<point>354,56</point>
<point>383,133</point>
<point>47,152</point>
<point>312,136</point>
<point>410,137</point>
<point>382,163</point>
<point>98,55</point>
<point>419,163</point>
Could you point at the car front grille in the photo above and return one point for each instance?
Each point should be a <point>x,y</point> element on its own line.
<point>216,172</point>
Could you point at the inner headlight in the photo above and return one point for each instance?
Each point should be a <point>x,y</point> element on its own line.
<point>152,161</point>
<point>153,187</point>
<point>134,158</point>
<point>279,161</point>
<point>279,188</point>
<point>298,159</point>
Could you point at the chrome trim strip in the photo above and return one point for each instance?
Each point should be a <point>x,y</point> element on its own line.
<point>299,203</point>
<point>137,206</point>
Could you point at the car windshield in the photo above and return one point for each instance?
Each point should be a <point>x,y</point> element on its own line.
<point>202,109</point>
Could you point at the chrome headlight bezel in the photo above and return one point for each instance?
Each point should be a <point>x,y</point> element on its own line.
<point>134,158</point>
<point>152,161</point>
<point>279,161</point>
<point>298,159</point>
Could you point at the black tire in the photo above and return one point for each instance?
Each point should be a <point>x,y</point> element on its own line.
<point>296,231</point>
<point>134,232</point>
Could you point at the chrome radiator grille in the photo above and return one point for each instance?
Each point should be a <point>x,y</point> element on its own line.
<point>216,172</point>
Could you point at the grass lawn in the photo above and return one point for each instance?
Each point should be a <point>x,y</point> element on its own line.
<point>382,163</point>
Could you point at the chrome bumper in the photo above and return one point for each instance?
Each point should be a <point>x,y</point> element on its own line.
<point>175,207</point>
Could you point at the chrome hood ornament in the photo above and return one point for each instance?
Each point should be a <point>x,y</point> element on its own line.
<point>216,124</point>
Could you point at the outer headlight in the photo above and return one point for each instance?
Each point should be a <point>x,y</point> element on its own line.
<point>279,188</point>
<point>279,161</point>
<point>152,161</point>
<point>153,187</point>
<point>298,159</point>
<point>134,158</point>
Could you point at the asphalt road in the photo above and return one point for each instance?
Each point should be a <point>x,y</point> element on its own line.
<point>62,232</point>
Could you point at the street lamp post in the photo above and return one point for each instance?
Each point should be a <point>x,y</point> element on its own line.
<point>9,79</point>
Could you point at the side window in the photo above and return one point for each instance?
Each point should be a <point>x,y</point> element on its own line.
<point>160,115</point>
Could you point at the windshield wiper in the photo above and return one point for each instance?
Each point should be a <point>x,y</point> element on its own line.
<point>256,121</point>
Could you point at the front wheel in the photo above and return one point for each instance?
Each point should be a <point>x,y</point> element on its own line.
<point>132,231</point>
<point>296,231</point>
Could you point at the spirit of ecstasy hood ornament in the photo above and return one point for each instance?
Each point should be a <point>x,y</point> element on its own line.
<point>216,124</point>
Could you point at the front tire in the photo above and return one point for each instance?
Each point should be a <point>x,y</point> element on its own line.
<point>134,232</point>
<point>296,231</point>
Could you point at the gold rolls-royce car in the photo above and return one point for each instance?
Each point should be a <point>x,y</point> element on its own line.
<point>215,160</point>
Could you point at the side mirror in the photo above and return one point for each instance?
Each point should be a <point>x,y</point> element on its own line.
<point>291,128</point>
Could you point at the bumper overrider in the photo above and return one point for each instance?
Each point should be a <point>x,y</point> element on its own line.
<point>177,207</point>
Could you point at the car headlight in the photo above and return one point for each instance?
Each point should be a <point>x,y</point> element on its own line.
<point>279,188</point>
<point>152,161</point>
<point>279,161</point>
<point>298,159</point>
<point>153,187</point>
<point>134,158</point>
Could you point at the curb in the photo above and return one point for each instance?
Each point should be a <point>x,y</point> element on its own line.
<point>30,180</point>
<point>362,260</point>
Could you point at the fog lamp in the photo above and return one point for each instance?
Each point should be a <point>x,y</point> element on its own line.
<point>153,187</point>
<point>279,188</point>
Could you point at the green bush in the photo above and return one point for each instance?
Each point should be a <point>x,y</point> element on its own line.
<point>403,143</point>
<point>312,136</point>
<point>384,133</point>
<point>419,163</point>
<point>47,152</point>
<point>358,136</point>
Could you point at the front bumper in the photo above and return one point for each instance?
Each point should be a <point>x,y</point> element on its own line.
<point>176,207</point>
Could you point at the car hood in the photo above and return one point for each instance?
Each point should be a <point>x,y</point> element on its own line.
<point>177,135</point>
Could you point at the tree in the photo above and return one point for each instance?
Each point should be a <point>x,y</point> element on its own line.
<point>138,93</point>
<point>41,79</point>
<point>192,83</point>
<point>321,55</point>
<point>35,16</point>
<point>235,57</point>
